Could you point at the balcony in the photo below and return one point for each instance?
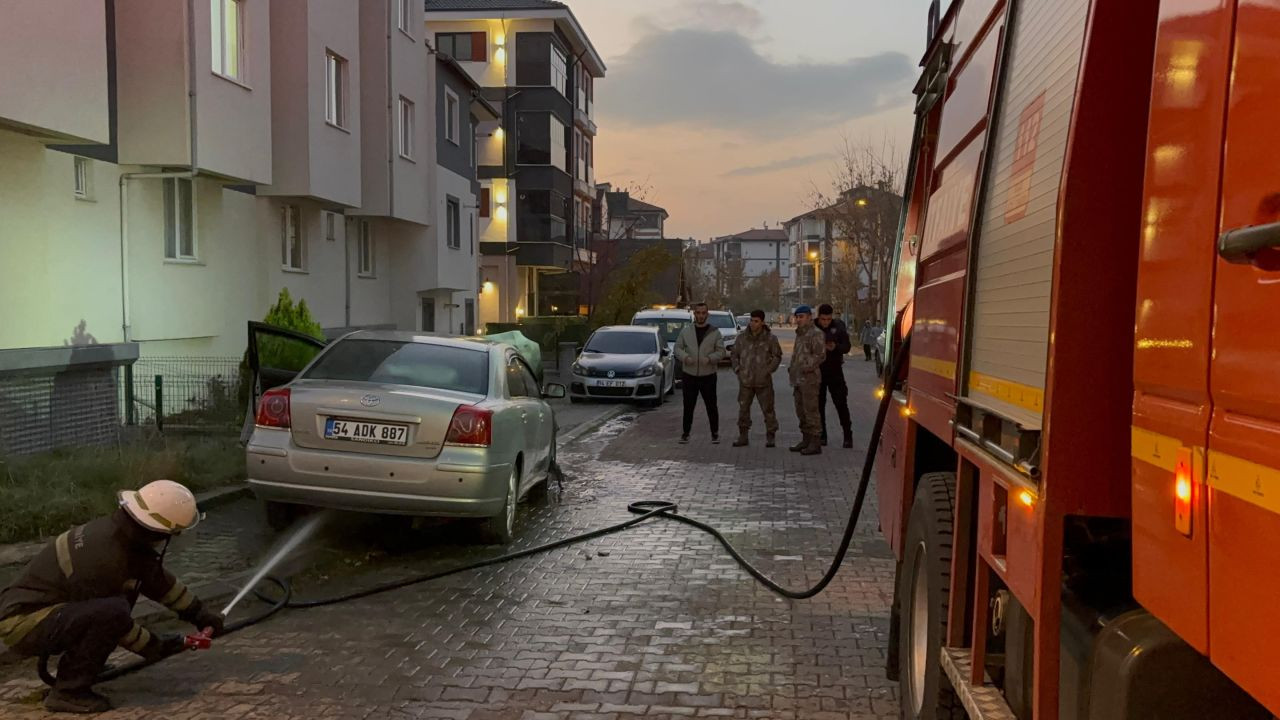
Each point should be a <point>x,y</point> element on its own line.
<point>55,90</point>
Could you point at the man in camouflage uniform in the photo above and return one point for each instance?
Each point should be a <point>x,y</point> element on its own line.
<point>756,355</point>
<point>806,359</point>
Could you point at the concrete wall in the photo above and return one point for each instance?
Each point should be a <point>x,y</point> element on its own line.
<point>455,269</point>
<point>58,87</point>
<point>371,296</point>
<point>61,262</point>
<point>411,75</point>
<point>310,157</point>
<point>322,281</point>
<point>151,76</point>
<point>204,303</point>
<point>233,119</point>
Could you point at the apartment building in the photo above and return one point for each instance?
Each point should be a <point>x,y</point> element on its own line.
<point>753,253</point>
<point>168,166</point>
<point>536,66</point>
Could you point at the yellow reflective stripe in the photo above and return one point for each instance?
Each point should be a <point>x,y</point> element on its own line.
<point>934,366</point>
<point>63,549</point>
<point>1023,396</point>
<point>136,640</point>
<point>174,593</point>
<point>1248,481</point>
<point>183,602</point>
<point>14,629</point>
<point>1154,448</point>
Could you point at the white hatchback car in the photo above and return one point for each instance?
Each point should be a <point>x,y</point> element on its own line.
<point>624,362</point>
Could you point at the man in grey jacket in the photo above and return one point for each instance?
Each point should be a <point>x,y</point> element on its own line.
<point>700,348</point>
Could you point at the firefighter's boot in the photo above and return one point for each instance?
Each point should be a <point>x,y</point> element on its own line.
<point>80,702</point>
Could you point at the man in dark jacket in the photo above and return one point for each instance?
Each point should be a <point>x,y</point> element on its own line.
<point>76,597</point>
<point>838,345</point>
<point>756,355</point>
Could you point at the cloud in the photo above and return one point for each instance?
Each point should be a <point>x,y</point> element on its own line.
<point>715,79</point>
<point>723,15</point>
<point>789,163</point>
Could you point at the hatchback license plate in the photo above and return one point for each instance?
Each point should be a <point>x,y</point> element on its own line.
<point>610,383</point>
<point>365,432</point>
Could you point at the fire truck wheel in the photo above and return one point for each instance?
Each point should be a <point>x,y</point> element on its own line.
<point>923,584</point>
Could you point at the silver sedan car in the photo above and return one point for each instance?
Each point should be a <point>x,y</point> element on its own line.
<point>402,423</point>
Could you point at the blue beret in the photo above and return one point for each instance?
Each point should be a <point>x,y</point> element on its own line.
<point>802,310</point>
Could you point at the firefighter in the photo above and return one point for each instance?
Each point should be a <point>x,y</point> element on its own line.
<point>76,597</point>
<point>806,358</point>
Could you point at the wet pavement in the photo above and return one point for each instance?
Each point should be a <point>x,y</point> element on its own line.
<point>654,622</point>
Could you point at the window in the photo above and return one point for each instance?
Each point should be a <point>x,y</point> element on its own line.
<point>226,26</point>
<point>364,250</point>
<point>453,222</point>
<point>335,89</point>
<point>292,247</point>
<point>559,71</point>
<point>404,20</point>
<point>406,128</point>
<point>83,168</point>
<point>451,106</point>
<point>179,240</point>
<point>486,202</point>
<point>559,154</point>
<point>518,381</point>
<point>330,226</point>
<point>467,46</point>
<point>396,362</point>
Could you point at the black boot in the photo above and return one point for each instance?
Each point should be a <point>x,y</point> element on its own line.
<point>741,441</point>
<point>814,447</point>
<point>804,443</point>
<point>81,702</point>
<point>848,437</point>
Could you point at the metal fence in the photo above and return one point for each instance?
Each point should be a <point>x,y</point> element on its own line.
<point>185,394</point>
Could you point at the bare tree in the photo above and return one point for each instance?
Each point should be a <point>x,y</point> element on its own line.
<point>862,206</point>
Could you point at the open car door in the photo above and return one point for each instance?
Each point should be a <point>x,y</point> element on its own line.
<point>276,355</point>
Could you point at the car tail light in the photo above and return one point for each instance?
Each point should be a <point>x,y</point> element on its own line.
<point>273,409</point>
<point>470,426</point>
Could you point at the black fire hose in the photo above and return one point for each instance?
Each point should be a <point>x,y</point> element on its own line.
<point>644,510</point>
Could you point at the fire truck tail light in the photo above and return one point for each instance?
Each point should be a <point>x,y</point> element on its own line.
<point>1026,498</point>
<point>1182,491</point>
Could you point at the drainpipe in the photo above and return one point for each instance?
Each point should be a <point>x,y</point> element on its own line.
<point>392,111</point>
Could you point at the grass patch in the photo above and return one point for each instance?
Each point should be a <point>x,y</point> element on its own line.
<point>42,495</point>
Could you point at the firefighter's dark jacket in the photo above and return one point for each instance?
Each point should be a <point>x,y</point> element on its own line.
<point>109,557</point>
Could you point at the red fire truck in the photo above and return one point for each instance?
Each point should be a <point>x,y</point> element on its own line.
<point>1081,476</point>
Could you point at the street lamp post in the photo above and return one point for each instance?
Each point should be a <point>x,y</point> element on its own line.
<point>816,260</point>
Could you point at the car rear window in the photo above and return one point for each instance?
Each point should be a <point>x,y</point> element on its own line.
<point>404,363</point>
<point>668,328</point>
<point>719,320</point>
<point>622,343</point>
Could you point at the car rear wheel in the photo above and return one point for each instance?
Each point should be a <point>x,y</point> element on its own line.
<point>500,528</point>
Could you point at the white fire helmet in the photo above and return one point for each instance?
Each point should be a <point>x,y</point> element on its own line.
<point>163,506</point>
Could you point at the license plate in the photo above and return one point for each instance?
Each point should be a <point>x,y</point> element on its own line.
<point>366,432</point>
<point>611,383</point>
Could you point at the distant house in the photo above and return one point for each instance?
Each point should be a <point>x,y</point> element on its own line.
<point>626,218</point>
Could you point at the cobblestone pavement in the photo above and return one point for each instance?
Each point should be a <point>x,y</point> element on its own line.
<point>653,622</point>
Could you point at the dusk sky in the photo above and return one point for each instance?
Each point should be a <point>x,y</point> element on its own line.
<point>729,112</point>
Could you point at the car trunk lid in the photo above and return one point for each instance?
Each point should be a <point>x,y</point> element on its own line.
<point>424,413</point>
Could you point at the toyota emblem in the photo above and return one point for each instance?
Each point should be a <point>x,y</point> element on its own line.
<point>370,400</point>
